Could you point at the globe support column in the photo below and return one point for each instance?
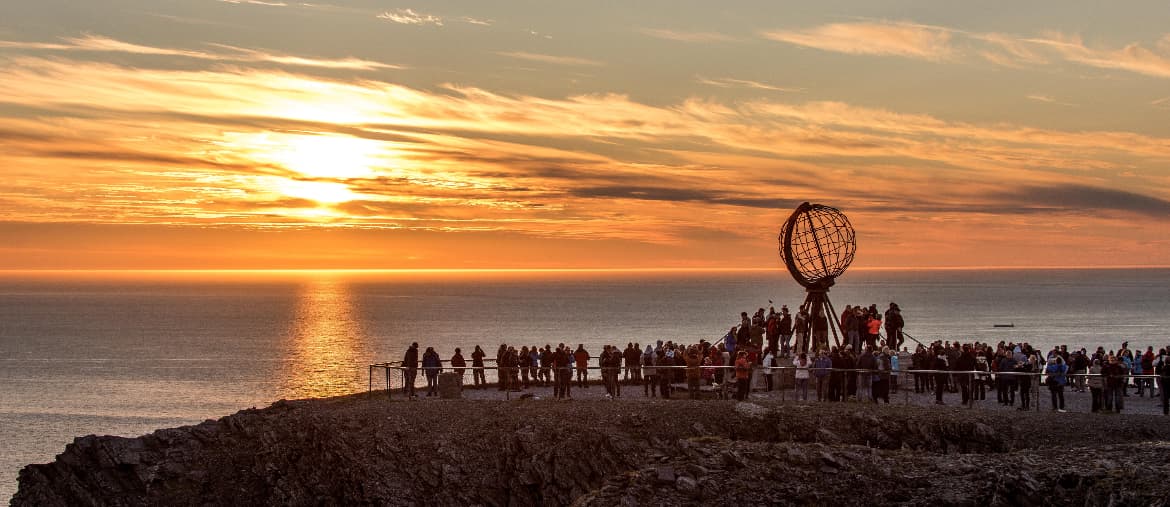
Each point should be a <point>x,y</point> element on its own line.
<point>819,306</point>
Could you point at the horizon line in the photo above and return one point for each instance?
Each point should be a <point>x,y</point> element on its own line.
<point>558,270</point>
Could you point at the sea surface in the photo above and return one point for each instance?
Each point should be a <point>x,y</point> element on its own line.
<point>124,353</point>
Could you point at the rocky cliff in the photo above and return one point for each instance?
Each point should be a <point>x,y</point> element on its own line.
<point>361,449</point>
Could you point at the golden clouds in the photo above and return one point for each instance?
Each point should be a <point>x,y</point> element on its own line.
<point>235,146</point>
<point>873,38</point>
<point>941,44</point>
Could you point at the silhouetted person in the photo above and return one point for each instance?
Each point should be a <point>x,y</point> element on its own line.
<point>410,363</point>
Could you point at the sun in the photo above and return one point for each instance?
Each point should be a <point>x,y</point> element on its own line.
<point>328,156</point>
<point>319,167</point>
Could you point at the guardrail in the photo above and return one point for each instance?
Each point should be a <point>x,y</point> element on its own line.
<point>973,374</point>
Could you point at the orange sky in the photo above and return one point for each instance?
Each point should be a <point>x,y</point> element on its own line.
<point>253,135</point>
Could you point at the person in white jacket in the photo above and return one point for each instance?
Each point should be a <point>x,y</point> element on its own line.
<point>802,363</point>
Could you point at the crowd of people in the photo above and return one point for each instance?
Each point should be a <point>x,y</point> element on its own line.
<point>865,366</point>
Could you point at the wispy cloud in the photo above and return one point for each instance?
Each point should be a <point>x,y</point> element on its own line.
<point>1048,100</point>
<point>1133,57</point>
<point>98,43</point>
<point>553,59</point>
<point>410,17</point>
<point>1163,103</point>
<point>675,35</point>
<point>936,43</point>
<point>727,82</point>
<point>256,2</point>
<point>473,21</point>
<point>873,38</point>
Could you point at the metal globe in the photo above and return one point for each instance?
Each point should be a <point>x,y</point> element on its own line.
<point>817,244</point>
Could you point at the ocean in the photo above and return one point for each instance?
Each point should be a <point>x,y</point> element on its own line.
<point>124,353</point>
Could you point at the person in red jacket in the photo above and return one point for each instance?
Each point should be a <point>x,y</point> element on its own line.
<point>743,372</point>
<point>873,330</point>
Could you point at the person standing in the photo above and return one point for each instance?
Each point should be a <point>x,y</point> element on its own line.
<point>501,369</point>
<point>1005,381</point>
<point>849,327</point>
<point>1096,386</point>
<point>801,375</point>
<point>769,374</point>
<point>1147,362</point>
<point>743,371</point>
<point>694,374</point>
<point>821,371</point>
<point>432,366</point>
<point>800,329</point>
<point>650,387</point>
<point>477,376</point>
<point>772,331</point>
<point>964,364</point>
<point>894,325</point>
<point>630,358</point>
<point>1025,369</point>
<point>836,377</point>
<point>819,327</point>
<point>728,342</point>
<point>873,325</point>
<point>524,363</point>
<point>1162,369</point>
<point>581,357</point>
<point>1114,372</point>
<point>560,384</point>
<point>1057,377</point>
<point>785,330</point>
<point>410,370</point>
<point>881,380</point>
<point>865,362</point>
<point>849,362</point>
<point>939,364</point>
<point>459,364</point>
<point>663,374</point>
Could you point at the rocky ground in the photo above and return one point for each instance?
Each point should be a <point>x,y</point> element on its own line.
<point>371,449</point>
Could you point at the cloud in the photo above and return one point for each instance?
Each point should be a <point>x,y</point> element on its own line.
<point>873,38</point>
<point>255,2</point>
<point>1048,100</point>
<point>1132,57</point>
<point>410,17</point>
<point>1162,103</point>
<point>234,145</point>
<point>726,82</point>
<point>556,60</point>
<point>662,33</point>
<point>473,21</point>
<point>97,43</point>
<point>1072,198</point>
<point>939,44</point>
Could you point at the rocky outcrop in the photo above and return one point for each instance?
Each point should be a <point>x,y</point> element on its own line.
<point>371,450</point>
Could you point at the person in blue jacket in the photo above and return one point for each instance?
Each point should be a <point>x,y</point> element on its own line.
<point>729,341</point>
<point>1057,373</point>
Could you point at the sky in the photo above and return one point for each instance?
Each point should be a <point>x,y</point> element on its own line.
<point>275,134</point>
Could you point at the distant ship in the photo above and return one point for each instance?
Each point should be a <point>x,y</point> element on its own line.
<point>1005,325</point>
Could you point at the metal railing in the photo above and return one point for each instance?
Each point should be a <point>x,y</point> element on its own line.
<point>813,371</point>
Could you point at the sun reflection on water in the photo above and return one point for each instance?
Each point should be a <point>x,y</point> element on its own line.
<point>328,352</point>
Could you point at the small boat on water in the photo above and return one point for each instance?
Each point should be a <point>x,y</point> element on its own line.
<point>1005,325</point>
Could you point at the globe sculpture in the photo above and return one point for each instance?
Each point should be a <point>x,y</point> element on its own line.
<point>817,244</point>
